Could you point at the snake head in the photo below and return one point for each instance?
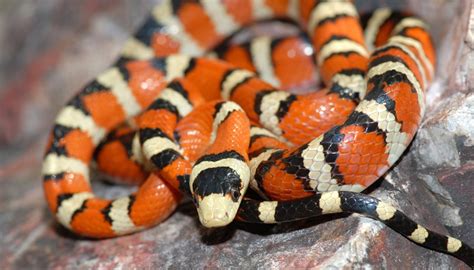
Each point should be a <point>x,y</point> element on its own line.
<point>218,187</point>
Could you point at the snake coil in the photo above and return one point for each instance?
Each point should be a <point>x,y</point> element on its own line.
<point>210,129</point>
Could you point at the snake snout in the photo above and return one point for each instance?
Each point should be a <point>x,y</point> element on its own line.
<point>216,210</point>
<point>218,190</point>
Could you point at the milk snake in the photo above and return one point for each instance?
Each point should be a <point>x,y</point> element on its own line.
<point>310,153</point>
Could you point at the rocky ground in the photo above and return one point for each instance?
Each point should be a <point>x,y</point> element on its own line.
<point>48,51</point>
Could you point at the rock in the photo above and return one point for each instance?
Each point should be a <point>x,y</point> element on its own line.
<point>49,51</point>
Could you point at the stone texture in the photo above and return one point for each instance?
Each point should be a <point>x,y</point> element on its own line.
<point>50,50</point>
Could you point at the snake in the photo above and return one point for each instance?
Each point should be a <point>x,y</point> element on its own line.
<point>208,129</point>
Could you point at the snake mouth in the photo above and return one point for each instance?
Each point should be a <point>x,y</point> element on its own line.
<point>216,210</point>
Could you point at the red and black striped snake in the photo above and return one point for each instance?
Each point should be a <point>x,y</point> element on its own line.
<point>210,128</point>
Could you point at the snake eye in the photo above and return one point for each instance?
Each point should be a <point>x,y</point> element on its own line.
<point>235,194</point>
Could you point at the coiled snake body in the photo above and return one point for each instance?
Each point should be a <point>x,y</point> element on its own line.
<point>209,129</point>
